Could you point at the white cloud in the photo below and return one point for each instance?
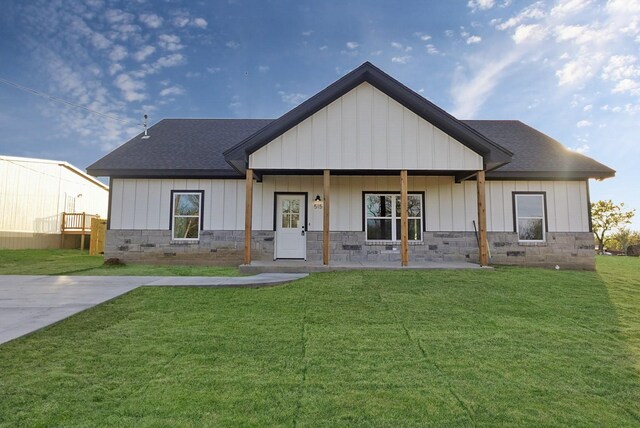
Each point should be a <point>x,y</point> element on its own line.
<point>423,36</point>
<point>401,47</point>
<point>132,89</point>
<point>401,59</point>
<point>581,149</point>
<point>532,12</point>
<point>232,44</point>
<point>621,67</point>
<point>170,60</point>
<point>566,7</point>
<point>431,49</point>
<point>623,6</point>
<point>170,42</point>
<point>574,73</point>
<point>200,23</point>
<point>474,39</point>
<point>376,53</point>
<point>583,124</point>
<point>115,68</point>
<point>263,68</point>
<point>118,53</point>
<point>214,70</point>
<point>588,107</point>
<point>480,4</point>
<point>292,98</point>
<point>144,53</point>
<point>529,33</point>
<point>323,47</point>
<point>114,16</point>
<point>352,45</point>
<point>151,20</point>
<point>171,90</point>
<point>307,33</point>
<point>627,86</point>
<point>470,94</point>
<point>180,21</point>
<point>99,41</point>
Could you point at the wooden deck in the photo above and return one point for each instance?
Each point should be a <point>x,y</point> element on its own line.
<point>76,224</point>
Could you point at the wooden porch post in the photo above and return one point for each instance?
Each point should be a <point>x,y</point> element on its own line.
<point>482,220</point>
<point>248,213</point>
<point>325,217</point>
<point>84,219</point>
<point>404,221</point>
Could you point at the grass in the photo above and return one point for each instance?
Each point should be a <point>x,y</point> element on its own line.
<point>75,262</point>
<point>511,346</point>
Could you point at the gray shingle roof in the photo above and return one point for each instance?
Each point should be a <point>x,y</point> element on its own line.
<point>536,155</point>
<point>194,148</point>
<point>186,147</point>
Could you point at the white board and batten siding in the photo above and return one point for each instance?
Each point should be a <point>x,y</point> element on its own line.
<point>567,204</point>
<point>449,206</point>
<point>365,129</point>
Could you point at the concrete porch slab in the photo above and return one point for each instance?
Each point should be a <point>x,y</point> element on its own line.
<point>302,266</point>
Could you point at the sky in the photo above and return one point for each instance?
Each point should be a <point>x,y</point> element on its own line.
<point>570,68</point>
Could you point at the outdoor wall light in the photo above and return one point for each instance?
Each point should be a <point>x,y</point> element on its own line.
<point>317,203</point>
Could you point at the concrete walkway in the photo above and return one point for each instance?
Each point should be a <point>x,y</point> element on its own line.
<point>29,303</point>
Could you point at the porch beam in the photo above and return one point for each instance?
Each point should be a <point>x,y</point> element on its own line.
<point>325,216</point>
<point>482,220</point>
<point>404,221</point>
<point>248,214</point>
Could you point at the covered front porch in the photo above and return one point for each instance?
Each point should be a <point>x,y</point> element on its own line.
<point>333,220</point>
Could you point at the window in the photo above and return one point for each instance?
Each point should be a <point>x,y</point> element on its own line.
<point>186,215</point>
<point>530,218</point>
<point>382,216</point>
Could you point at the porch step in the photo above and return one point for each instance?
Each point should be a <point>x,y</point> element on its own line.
<point>300,266</point>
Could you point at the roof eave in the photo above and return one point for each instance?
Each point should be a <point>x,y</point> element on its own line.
<point>165,173</point>
<point>550,175</point>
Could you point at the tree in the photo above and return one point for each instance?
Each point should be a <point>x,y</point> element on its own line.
<point>606,216</point>
<point>624,238</point>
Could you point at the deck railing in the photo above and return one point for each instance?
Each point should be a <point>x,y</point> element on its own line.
<point>76,224</point>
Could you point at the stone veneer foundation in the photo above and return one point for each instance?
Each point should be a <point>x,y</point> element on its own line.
<point>570,250</point>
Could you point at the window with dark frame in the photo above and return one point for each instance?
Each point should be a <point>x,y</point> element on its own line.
<point>530,216</point>
<point>382,216</point>
<point>186,216</point>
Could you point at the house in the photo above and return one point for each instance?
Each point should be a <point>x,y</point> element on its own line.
<point>34,194</point>
<point>365,170</point>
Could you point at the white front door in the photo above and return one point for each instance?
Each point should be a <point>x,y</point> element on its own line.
<point>291,240</point>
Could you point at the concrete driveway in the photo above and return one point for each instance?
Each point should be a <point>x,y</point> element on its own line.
<point>29,303</point>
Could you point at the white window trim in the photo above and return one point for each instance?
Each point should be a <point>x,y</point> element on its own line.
<point>544,217</point>
<point>393,218</point>
<point>174,215</point>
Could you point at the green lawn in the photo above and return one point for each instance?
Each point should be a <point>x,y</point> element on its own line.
<point>74,262</point>
<point>456,348</point>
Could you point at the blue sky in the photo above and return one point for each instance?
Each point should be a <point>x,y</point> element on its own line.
<point>570,68</point>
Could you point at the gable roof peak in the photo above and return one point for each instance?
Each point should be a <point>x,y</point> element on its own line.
<point>493,154</point>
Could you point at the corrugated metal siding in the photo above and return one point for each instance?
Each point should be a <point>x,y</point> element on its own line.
<point>365,129</point>
<point>34,194</point>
